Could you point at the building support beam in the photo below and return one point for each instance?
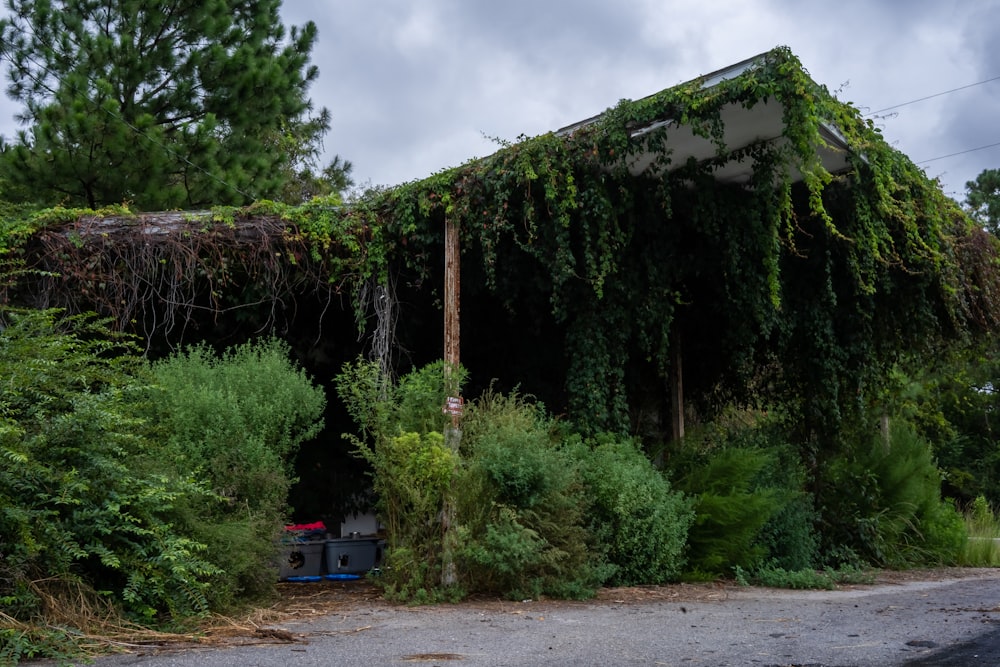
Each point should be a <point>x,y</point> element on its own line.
<point>676,381</point>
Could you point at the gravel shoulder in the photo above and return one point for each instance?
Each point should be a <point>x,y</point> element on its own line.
<point>917,617</point>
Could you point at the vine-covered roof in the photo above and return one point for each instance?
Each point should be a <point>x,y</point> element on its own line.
<point>749,212</point>
<point>742,127</point>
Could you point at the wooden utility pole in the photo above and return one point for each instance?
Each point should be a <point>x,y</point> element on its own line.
<point>453,406</point>
<point>452,280</point>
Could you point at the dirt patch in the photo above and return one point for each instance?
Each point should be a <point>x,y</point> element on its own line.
<point>935,574</point>
<point>322,598</point>
<point>299,601</point>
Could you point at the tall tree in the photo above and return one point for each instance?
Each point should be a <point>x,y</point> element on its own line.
<point>982,199</point>
<point>304,178</point>
<point>161,103</point>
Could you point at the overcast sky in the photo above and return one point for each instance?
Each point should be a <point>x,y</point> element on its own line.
<point>415,86</point>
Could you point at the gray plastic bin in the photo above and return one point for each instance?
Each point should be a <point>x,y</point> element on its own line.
<point>301,559</point>
<point>352,556</point>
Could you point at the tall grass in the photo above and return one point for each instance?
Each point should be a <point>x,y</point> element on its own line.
<point>982,548</point>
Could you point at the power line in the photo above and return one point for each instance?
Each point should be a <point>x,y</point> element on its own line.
<point>929,97</point>
<point>970,150</point>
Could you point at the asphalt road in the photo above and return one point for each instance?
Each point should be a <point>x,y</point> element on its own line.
<point>949,622</point>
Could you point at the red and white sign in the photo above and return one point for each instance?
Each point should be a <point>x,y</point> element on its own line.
<point>453,406</point>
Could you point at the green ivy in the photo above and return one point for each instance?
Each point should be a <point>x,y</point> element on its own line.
<point>793,265</point>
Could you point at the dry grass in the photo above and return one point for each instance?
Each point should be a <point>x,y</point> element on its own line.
<point>98,629</point>
<point>96,626</point>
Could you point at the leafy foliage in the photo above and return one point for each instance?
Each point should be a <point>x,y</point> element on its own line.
<point>642,521</point>
<point>729,510</point>
<point>982,200</point>
<point>72,502</point>
<point>24,642</point>
<point>753,509</point>
<point>524,506</point>
<point>789,537</point>
<point>882,500</point>
<point>805,578</point>
<point>235,420</point>
<point>951,402</point>
<point>507,507</point>
<point>121,492</point>
<point>412,468</point>
<point>381,407</point>
<point>167,105</point>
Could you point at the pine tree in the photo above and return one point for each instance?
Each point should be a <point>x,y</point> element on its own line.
<point>982,200</point>
<point>159,103</point>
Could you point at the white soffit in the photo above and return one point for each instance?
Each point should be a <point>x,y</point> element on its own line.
<point>743,127</point>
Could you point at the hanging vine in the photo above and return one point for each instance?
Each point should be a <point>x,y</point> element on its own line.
<point>797,264</point>
<point>813,278</point>
<point>380,299</point>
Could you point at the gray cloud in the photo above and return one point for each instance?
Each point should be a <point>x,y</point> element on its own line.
<point>420,85</point>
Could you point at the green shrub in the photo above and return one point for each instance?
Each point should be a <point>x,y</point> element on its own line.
<point>730,509</point>
<point>519,460</point>
<point>502,555</point>
<point>789,536</point>
<point>240,416</point>
<point>381,408</point>
<point>642,523</point>
<point>80,517</point>
<point>23,642</point>
<point>501,503</point>
<point>522,506</point>
<point>752,505</point>
<point>884,503</point>
<point>236,420</point>
<point>413,475</point>
<point>401,439</point>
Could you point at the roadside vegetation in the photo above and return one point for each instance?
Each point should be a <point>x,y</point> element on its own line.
<point>540,510</point>
<point>136,494</point>
<point>145,496</point>
<point>982,546</point>
<point>836,333</point>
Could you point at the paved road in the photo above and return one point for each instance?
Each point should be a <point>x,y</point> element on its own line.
<point>954,623</point>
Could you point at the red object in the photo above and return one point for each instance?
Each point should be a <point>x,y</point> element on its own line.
<point>319,525</point>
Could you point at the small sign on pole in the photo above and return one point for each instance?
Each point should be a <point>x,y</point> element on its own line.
<point>453,406</point>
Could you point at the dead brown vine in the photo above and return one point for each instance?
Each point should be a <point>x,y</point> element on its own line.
<point>153,273</point>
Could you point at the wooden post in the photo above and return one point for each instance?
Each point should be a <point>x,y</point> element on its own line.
<point>676,390</point>
<point>885,430</point>
<point>452,302</point>
<point>452,328</point>
<point>452,358</point>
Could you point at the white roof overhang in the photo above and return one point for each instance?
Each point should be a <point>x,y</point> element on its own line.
<point>742,128</point>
